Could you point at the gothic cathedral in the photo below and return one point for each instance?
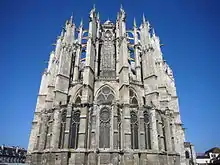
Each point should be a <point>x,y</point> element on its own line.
<point>107,97</point>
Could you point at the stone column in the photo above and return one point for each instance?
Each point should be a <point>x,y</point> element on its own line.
<point>112,127</point>
<point>161,133</point>
<point>56,129</point>
<point>116,129</point>
<point>172,134</point>
<point>154,134</point>
<point>93,118</point>
<point>167,134</point>
<point>97,125</point>
<point>34,136</point>
<point>76,64</point>
<point>117,49</point>
<point>43,134</point>
<point>97,50</point>
<point>126,127</point>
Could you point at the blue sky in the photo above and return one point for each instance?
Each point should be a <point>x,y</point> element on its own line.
<point>189,30</point>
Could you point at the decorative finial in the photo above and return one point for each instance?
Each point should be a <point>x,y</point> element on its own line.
<point>135,25</point>
<point>81,22</point>
<point>71,19</point>
<point>153,32</point>
<point>92,11</point>
<point>62,32</point>
<point>93,6</point>
<point>98,15</point>
<point>121,7</point>
<point>144,20</point>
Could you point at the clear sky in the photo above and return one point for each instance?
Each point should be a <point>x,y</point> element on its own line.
<point>188,29</point>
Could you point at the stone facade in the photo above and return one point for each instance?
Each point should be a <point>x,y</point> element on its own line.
<point>107,97</point>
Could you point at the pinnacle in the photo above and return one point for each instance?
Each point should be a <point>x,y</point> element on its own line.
<point>135,25</point>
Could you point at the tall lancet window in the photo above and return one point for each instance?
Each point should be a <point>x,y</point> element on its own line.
<point>134,130</point>
<point>147,121</point>
<point>74,129</point>
<point>104,134</point>
<point>62,129</point>
<point>79,97</point>
<point>134,119</point>
<point>133,98</point>
<point>105,99</point>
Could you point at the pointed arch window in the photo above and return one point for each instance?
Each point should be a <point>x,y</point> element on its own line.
<point>147,130</point>
<point>105,96</point>
<point>133,98</point>
<point>62,129</point>
<point>134,130</point>
<point>79,97</point>
<point>187,154</point>
<point>104,135</point>
<point>74,129</point>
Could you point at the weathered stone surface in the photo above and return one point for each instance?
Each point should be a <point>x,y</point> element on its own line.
<point>118,95</point>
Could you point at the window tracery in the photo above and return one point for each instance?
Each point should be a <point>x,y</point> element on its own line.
<point>105,96</point>
<point>74,129</point>
<point>133,97</point>
<point>107,52</point>
<point>79,97</point>
<point>147,121</point>
<point>134,130</point>
<point>104,135</point>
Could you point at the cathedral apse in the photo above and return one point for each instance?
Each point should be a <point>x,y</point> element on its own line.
<point>107,97</point>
